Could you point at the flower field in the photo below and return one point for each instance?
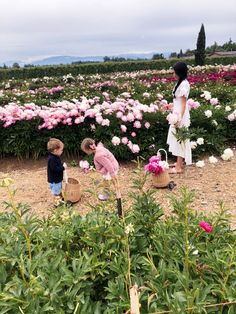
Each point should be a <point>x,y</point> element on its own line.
<point>126,111</point>
<point>177,247</point>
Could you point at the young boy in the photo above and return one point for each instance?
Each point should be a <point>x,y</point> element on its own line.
<point>55,168</point>
<point>106,164</point>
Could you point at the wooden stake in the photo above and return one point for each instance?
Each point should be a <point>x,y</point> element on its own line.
<point>134,300</point>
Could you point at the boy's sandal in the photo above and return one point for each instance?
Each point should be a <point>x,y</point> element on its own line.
<point>174,171</point>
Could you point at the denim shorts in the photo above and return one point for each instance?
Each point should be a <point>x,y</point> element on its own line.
<point>56,188</point>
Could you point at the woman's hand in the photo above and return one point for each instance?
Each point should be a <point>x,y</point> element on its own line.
<point>177,124</point>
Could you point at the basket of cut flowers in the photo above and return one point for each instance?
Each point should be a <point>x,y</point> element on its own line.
<point>159,170</point>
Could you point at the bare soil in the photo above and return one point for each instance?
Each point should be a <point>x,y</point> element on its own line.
<point>212,184</point>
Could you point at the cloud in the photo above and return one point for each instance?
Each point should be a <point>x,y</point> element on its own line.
<point>102,27</point>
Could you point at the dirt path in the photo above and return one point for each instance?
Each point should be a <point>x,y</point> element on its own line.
<point>212,184</point>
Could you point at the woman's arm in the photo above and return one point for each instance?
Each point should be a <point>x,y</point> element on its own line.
<point>183,107</point>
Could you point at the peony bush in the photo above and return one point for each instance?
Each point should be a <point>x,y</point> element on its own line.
<point>73,264</point>
<point>127,111</point>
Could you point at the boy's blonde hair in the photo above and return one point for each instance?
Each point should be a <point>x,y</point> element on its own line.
<point>85,145</point>
<point>53,144</point>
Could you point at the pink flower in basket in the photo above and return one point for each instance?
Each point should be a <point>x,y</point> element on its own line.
<point>156,165</point>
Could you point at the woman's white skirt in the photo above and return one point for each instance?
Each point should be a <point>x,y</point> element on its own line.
<point>179,149</point>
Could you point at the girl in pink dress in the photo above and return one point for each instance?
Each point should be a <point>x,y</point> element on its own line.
<point>107,165</point>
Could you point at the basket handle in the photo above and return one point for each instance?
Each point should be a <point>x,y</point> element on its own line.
<point>65,176</point>
<point>159,154</point>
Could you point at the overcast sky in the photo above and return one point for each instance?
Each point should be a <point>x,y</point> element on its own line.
<point>32,29</point>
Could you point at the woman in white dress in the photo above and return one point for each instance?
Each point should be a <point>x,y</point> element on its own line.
<point>181,91</point>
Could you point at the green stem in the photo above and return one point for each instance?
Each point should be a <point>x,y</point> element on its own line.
<point>20,223</point>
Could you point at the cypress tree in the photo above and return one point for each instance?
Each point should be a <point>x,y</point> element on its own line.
<point>200,53</point>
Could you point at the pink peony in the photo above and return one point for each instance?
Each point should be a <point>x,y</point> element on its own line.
<point>124,140</point>
<point>135,149</point>
<point>147,125</point>
<point>123,128</point>
<point>172,118</point>
<point>154,159</point>
<point>137,124</point>
<point>205,225</point>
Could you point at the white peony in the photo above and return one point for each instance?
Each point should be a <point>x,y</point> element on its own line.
<point>200,141</point>
<point>228,154</point>
<point>213,160</point>
<point>231,117</point>
<point>208,113</point>
<point>200,164</point>
<point>227,108</point>
<point>193,144</point>
<point>115,140</point>
<point>214,122</point>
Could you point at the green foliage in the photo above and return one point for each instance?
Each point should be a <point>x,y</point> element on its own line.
<point>105,67</point>
<point>87,264</point>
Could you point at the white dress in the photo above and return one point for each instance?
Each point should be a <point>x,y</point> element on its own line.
<point>180,149</point>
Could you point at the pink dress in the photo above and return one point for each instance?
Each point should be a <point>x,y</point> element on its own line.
<point>105,162</point>
<point>180,149</point>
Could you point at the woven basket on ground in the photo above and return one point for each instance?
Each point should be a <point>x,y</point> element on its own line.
<point>72,190</point>
<point>163,179</point>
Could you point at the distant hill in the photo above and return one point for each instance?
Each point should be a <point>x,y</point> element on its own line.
<point>54,60</point>
<point>69,59</point>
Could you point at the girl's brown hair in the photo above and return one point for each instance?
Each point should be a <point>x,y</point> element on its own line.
<point>86,144</point>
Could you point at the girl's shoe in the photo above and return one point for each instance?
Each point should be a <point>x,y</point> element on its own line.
<point>103,197</point>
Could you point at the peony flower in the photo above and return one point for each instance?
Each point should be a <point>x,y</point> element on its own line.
<point>135,149</point>
<point>200,164</point>
<point>208,113</point>
<point>133,134</point>
<point>193,144</point>
<point>206,226</point>
<point>84,165</point>
<point>200,141</point>
<point>228,154</point>
<point>154,159</point>
<point>129,229</point>
<point>147,95</point>
<point>172,118</point>
<point>147,125</point>
<point>231,117</point>
<point>160,96</point>
<point>137,124</point>
<point>115,140</point>
<point>213,160</point>
<point>123,128</point>
<point>214,122</point>
<point>214,101</point>
<point>124,140</point>
<point>227,108</point>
